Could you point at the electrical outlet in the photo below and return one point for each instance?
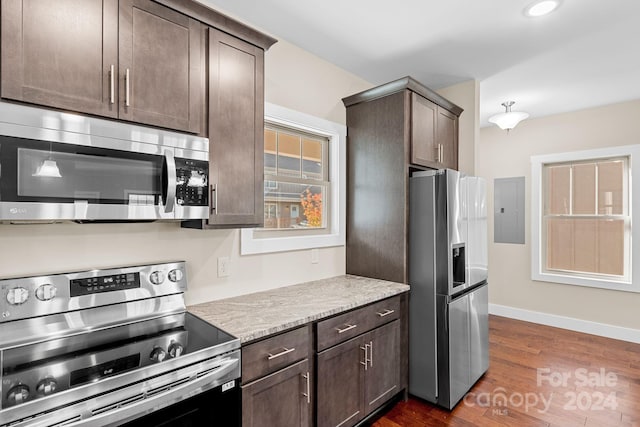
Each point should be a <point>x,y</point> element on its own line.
<point>224,265</point>
<point>314,256</point>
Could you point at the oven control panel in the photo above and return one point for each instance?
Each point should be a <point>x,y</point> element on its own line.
<point>26,297</point>
<point>110,283</point>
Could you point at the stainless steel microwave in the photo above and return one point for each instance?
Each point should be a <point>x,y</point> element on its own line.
<point>57,166</point>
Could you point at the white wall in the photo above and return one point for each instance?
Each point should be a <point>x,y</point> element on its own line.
<point>294,79</point>
<point>501,154</point>
<point>467,96</point>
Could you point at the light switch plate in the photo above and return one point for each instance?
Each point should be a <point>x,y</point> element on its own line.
<point>315,257</point>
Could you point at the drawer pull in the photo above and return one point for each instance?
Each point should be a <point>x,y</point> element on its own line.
<point>386,313</point>
<point>282,353</point>
<point>348,328</point>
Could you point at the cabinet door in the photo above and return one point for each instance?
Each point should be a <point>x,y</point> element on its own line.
<point>282,399</point>
<point>161,63</point>
<point>382,378</point>
<point>447,137</point>
<point>424,137</point>
<point>59,53</point>
<point>236,131</point>
<point>340,382</point>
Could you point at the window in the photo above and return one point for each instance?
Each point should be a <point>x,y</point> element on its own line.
<point>304,185</point>
<point>296,178</point>
<point>586,217</point>
<point>582,217</point>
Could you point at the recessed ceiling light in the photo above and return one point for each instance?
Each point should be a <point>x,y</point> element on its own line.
<point>541,8</point>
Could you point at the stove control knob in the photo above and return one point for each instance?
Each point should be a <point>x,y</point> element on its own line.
<point>46,387</point>
<point>18,394</point>
<point>176,275</point>
<point>17,296</point>
<point>176,349</point>
<point>157,277</point>
<point>158,355</point>
<point>46,292</point>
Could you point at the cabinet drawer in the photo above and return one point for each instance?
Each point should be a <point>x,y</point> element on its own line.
<point>353,323</point>
<point>383,312</point>
<point>267,356</point>
<point>341,328</point>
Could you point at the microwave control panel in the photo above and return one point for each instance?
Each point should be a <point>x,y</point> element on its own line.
<point>192,181</point>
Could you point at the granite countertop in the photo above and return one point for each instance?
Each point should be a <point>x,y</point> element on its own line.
<point>253,316</point>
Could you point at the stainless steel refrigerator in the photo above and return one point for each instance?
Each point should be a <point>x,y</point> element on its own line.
<point>449,331</point>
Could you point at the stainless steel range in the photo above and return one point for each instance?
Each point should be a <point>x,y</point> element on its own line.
<point>113,347</point>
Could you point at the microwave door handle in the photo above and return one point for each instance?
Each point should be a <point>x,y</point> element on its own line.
<point>170,183</point>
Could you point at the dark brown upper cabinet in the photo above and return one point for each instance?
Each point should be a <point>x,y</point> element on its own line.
<point>434,135</point>
<point>425,148</point>
<point>134,60</point>
<point>236,131</point>
<point>61,53</point>
<point>447,131</point>
<point>393,130</point>
<point>161,63</point>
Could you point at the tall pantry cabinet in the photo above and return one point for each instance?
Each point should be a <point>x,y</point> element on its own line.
<point>393,130</point>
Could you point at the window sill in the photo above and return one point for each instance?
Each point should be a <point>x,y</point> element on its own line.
<point>621,285</point>
<point>251,245</point>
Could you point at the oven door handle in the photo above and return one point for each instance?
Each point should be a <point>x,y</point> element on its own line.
<point>158,401</point>
<point>169,181</point>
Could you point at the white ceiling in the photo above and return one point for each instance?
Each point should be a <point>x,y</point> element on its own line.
<point>584,54</point>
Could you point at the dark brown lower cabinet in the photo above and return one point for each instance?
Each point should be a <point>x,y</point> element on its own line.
<point>340,384</point>
<point>282,399</point>
<point>358,376</point>
<point>382,378</point>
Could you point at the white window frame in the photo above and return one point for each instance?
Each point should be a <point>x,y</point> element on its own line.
<point>537,239</point>
<point>335,234</point>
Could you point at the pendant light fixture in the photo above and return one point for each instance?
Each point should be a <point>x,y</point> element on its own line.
<point>509,119</point>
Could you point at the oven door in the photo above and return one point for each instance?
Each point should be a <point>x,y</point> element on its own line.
<point>191,396</point>
<point>211,408</point>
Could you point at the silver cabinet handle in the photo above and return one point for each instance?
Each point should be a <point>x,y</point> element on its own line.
<point>348,328</point>
<point>371,353</point>
<point>308,393</point>
<point>112,84</point>
<point>385,313</point>
<point>126,87</point>
<point>440,153</point>
<point>284,351</point>
<point>214,199</point>
<point>366,356</point>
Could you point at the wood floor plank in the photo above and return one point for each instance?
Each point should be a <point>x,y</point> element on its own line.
<point>518,350</point>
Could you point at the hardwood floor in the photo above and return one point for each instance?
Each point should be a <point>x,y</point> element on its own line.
<point>548,377</point>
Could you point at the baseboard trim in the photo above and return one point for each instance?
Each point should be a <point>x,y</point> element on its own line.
<point>585,326</point>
